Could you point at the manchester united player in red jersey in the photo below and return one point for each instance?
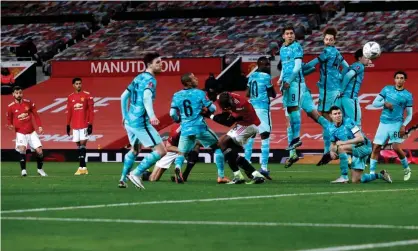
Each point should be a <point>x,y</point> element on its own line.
<point>80,113</point>
<point>237,110</point>
<point>19,117</point>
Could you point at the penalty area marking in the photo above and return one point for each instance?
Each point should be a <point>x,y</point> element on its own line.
<point>366,246</point>
<point>218,223</point>
<point>202,200</point>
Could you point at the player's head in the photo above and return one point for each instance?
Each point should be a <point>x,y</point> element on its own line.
<point>263,64</point>
<point>358,55</point>
<point>330,34</point>
<point>189,80</point>
<point>400,78</point>
<point>77,84</point>
<point>336,114</point>
<point>18,93</point>
<point>225,101</point>
<point>288,34</point>
<point>153,62</point>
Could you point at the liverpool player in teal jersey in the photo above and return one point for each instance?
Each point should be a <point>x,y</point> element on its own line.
<point>351,85</point>
<point>329,83</point>
<point>295,93</point>
<point>394,99</point>
<point>139,121</point>
<point>347,138</point>
<point>186,107</point>
<point>259,90</point>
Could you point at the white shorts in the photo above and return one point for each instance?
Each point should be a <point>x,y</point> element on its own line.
<point>241,134</point>
<point>80,134</point>
<point>24,139</point>
<point>166,161</point>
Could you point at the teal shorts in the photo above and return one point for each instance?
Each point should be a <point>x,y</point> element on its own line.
<point>264,115</point>
<point>207,138</point>
<point>327,100</point>
<point>291,96</point>
<point>362,150</point>
<point>146,136</point>
<point>351,109</point>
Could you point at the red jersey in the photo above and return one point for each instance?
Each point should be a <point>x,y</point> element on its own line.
<point>174,137</point>
<point>245,109</point>
<point>80,110</point>
<point>20,116</point>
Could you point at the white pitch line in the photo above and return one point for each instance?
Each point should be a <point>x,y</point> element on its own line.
<point>367,246</point>
<point>219,223</point>
<point>201,200</point>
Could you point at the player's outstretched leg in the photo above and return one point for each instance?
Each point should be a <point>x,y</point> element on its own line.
<point>127,166</point>
<point>146,163</point>
<point>404,161</point>
<point>248,149</point>
<point>383,175</point>
<point>294,117</point>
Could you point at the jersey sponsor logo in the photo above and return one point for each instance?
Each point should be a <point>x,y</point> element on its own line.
<point>23,116</point>
<point>78,106</point>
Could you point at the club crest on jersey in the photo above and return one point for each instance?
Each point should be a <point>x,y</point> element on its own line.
<point>27,108</point>
<point>82,99</point>
<point>150,85</point>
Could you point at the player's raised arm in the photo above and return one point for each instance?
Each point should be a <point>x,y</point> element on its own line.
<point>347,77</point>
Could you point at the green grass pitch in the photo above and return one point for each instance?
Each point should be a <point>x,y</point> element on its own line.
<point>298,210</point>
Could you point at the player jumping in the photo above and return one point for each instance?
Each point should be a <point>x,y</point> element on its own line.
<point>347,138</point>
<point>19,117</point>
<point>394,100</point>
<point>351,85</point>
<point>186,107</point>
<point>295,93</point>
<point>329,83</point>
<point>80,115</point>
<point>140,119</point>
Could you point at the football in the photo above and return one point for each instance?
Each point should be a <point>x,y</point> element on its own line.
<point>371,50</point>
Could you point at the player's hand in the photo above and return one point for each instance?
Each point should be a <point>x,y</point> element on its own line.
<point>68,130</point>
<point>10,127</point>
<point>154,121</point>
<point>339,143</point>
<point>279,83</point>
<point>402,131</point>
<point>389,106</point>
<point>89,129</point>
<point>286,86</point>
<point>41,130</point>
<point>333,155</point>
